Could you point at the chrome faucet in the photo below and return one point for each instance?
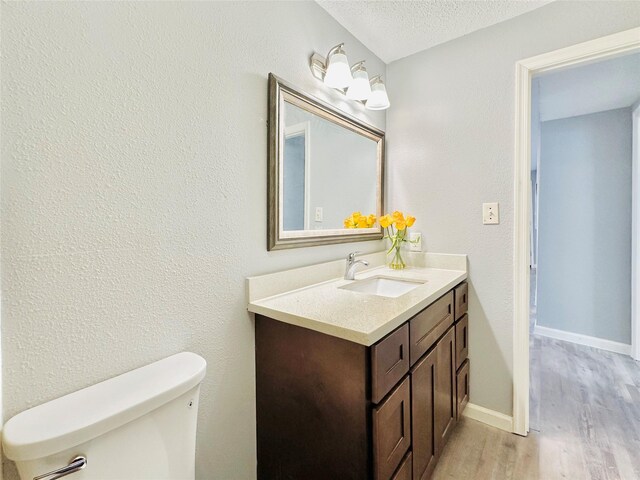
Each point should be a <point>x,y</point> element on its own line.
<point>350,270</point>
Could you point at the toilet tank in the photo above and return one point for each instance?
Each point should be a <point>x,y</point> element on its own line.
<point>140,425</point>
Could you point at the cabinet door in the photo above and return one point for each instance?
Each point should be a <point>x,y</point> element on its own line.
<point>462,340</point>
<point>404,470</point>
<point>445,395</point>
<point>392,431</point>
<point>423,388</point>
<point>462,382</point>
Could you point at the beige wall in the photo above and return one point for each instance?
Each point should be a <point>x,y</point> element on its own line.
<point>134,163</point>
<point>451,148</point>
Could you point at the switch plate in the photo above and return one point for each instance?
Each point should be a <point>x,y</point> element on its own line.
<point>318,214</point>
<point>490,213</point>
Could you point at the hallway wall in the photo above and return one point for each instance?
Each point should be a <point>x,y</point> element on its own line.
<point>584,263</point>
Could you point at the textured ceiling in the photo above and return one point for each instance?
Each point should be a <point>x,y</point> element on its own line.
<point>592,88</point>
<point>395,29</point>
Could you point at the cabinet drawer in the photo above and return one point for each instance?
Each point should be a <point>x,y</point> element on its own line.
<point>389,362</point>
<point>462,340</point>
<point>461,293</point>
<point>391,431</point>
<point>426,327</point>
<point>404,472</point>
<point>462,387</point>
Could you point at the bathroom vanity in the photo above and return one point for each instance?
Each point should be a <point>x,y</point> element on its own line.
<point>360,385</point>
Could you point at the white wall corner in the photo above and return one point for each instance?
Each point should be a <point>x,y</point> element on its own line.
<point>489,417</point>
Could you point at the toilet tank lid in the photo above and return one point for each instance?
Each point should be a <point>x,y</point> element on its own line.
<point>93,411</point>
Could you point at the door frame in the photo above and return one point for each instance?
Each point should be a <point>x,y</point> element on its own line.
<point>635,234</point>
<point>593,50</point>
<point>303,129</point>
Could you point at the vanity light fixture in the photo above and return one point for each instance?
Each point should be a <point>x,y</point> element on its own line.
<point>338,73</point>
<point>360,89</point>
<point>378,100</point>
<point>334,72</point>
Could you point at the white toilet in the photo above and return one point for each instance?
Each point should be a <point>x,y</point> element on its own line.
<point>137,426</point>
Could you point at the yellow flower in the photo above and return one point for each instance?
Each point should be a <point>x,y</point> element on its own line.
<point>385,221</point>
<point>410,220</point>
<point>357,220</point>
<point>371,220</point>
<point>398,220</point>
<point>352,221</point>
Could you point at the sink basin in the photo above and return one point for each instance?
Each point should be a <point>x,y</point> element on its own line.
<point>383,286</point>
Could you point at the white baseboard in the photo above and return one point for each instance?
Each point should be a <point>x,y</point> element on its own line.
<point>580,339</point>
<point>490,417</point>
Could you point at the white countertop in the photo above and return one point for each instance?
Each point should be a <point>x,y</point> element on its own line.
<point>358,317</point>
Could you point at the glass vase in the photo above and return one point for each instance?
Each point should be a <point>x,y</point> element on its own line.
<point>396,262</point>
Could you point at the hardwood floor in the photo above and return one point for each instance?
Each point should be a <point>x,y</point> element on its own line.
<point>584,419</point>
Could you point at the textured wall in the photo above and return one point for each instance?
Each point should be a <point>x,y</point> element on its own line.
<point>451,147</point>
<point>584,268</point>
<point>134,160</point>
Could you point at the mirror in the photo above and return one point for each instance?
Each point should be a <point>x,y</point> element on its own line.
<point>323,166</point>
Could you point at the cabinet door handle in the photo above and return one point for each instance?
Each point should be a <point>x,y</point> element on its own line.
<point>76,464</point>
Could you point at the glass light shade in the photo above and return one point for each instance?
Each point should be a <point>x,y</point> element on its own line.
<point>360,88</point>
<point>378,100</point>
<point>338,73</point>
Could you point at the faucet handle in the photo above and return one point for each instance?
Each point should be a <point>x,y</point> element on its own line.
<point>351,257</point>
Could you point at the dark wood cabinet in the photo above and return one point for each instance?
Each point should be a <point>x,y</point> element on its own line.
<point>330,408</point>
<point>462,387</point>
<point>429,325</point>
<point>313,416</point>
<point>461,295</point>
<point>445,394</point>
<point>404,470</point>
<point>463,366</point>
<point>462,340</point>
<point>423,391</point>
<point>433,404</point>
<point>392,431</point>
<point>389,362</point>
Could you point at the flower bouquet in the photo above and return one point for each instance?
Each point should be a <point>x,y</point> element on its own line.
<point>396,227</point>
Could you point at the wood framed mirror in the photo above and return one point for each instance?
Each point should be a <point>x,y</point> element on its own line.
<point>323,165</point>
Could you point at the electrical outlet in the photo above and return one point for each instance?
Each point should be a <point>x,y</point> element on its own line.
<point>490,214</point>
<point>318,214</point>
<point>415,241</point>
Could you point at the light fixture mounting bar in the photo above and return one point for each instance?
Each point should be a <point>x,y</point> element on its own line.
<point>318,66</point>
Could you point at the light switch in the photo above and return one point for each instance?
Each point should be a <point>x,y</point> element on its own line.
<point>490,214</point>
<point>318,214</point>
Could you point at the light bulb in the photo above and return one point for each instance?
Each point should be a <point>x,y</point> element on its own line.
<point>338,73</point>
<point>360,88</point>
<point>378,100</point>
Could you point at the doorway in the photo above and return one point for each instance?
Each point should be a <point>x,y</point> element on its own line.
<point>607,47</point>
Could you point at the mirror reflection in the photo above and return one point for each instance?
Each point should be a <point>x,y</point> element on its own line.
<point>329,171</point>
